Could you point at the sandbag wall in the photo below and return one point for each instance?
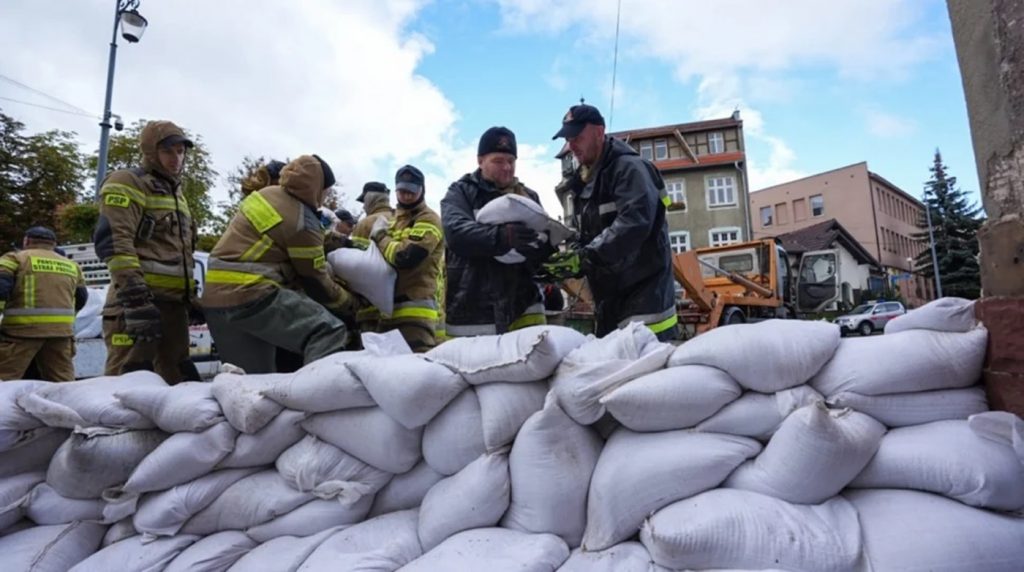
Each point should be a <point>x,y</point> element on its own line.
<point>768,446</point>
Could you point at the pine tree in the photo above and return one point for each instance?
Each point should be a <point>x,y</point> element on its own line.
<point>955,224</point>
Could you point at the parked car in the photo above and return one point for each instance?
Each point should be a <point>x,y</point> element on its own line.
<point>869,318</point>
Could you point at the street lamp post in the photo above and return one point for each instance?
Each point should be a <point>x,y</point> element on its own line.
<point>931,243</point>
<point>132,27</point>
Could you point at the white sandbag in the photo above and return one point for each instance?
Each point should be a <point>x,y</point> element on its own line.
<point>33,452</point>
<point>187,406</point>
<point>455,437</point>
<point>1000,426</point>
<point>910,530</point>
<point>250,501</point>
<point>406,491</point>
<point>90,462</point>
<point>367,273</point>
<point>600,366</point>
<point>15,421</point>
<point>119,531</point>
<point>311,518</point>
<point>18,526</point>
<point>529,354</point>
<point>639,473</point>
<point>815,453</point>
<point>241,397</point>
<point>944,315</point>
<point>53,548</point>
<point>389,343</point>
<point>409,388</point>
<point>133,555</point>
<point>164,513</point>
<point>550,467</point>
<point>759,415</point>
<point>384,543</point>
<point>494,550</point>
<point>45,506</point>
<point>916,408</point>
<point>180,459</point>
<point>504,407</point>
<point>515,208</point>
<point>327,472</point>
<point>672,398</point>
<point>323,385</point>
<point>89,402</point>
<point>215,553</point>
<point>474,497</point>
<point>923,360</point>
<point>370,435</point>
<point>947,458</point>
<point>776,354</point>
<point>14,491</point>
<point>282,554</point>
<point>623,557</point>
<point>89,320</point>
<point>264,446</point>
<point>725,528</point>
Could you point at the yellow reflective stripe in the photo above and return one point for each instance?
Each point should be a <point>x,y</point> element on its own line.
<point>257,250</point>
<point>527,320</point>
<point>666,201</point>
<point>22,320</point>
<point>425,313</point>
<point>122,340</point>
<point>260,212</point>
<point>664,324</point>
<point>360,242</point>
<point>9,264</point>
<point>3,304</point>
<point>53,266</point>
<point>389,251</point>
<point>168,204</point>
<point>165,281</point>
<point>306,252</point>
<point>123,262</point>
<point>124,191</point>
<point>235,277</point>
<point>428,228</point>
<point>30,291</point>
<point>368,313</point>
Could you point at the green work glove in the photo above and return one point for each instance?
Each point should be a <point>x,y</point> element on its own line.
<point>564,265</point>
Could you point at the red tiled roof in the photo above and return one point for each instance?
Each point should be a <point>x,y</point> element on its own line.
<point>682,127</point>
<point>705,161</point>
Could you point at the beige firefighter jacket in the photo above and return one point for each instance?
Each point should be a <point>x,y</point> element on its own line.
<point>376,205</point>
<point>42,302</point>
<point>414,245</point>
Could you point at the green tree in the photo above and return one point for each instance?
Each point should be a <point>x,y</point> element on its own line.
<point>226,209</point>
<point>76,222</point>
<point>196,181</point>
<point>955,224</point>
<point>39,174</point>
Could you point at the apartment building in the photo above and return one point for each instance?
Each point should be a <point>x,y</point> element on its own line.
<point>705,171</point>
<point>881,216</point>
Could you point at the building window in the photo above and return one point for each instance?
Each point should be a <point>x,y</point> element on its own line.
<point>676,193</point>
<point>766,216</point>
<point>679,240</point>
<point>660,150</point>
<point>716,143</point>
<point>817,205</point>
<point>782,213</point>
<point>721,191</point>
<point>800,209</point>
<point>724,235</point>
<point>647,150</point>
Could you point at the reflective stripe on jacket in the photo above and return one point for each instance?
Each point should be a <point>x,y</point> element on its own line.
<point>41,303</point>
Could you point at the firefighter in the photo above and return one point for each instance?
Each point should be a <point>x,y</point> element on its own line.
<point>272,251</point>
<point>485,296</point>
<point>620,206</point>
<point>146,236</point>
<point>40,293</point>
<point>264,176</point>
<point>377,205</point>
<point>414,244</point>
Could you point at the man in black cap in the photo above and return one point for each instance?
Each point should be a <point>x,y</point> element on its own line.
<point>376,205</point>
<point>40,293</point>
<point>485,296</point>
<point>414,244</point>
<point>623,248</point>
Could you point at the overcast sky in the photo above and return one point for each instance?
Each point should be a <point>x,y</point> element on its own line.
<point>372,84</point>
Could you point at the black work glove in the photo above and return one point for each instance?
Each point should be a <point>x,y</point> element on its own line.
<point>520,237</point>
<point>142,322</point>
<point>196,317</point>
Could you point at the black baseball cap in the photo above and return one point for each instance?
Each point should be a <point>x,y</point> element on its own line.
<point>578,117</point>
<point>345,216</point>
<point>409,178</point>
<point>174,139</point>
<point>373,187</point>
<point>41,233</point>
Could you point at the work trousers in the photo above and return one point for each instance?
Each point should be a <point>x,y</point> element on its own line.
<point>168,356</point>
<point>52,357</point>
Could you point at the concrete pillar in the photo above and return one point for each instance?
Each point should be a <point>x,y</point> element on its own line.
<point>989,38</point>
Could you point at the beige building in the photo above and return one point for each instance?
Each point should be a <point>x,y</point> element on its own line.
<point>705,171</point>
<point>880,215</point>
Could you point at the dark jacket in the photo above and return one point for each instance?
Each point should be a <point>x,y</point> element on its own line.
<point>481,290</point>
<point>624,238</point>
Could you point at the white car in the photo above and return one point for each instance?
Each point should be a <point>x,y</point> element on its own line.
<point>869,318</point>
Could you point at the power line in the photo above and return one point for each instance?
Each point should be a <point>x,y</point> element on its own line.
<point>46,95</point>
<point>47,107</point>
<point>615,66</point>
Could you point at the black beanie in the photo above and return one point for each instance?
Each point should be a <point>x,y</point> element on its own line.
<point>274,168</point>
<point>329,179</point>
<point>497,140</point>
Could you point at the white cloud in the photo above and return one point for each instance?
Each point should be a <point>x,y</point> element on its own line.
<point>887,125</point>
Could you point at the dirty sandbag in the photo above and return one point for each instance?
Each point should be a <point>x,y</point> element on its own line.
<point>242,399</point>
<point>90,402</point>
<point>165,512</point>
<point>529,354</point>
<point>45,506</point>
<point>15,421</point>
<point>54,548</point>
<point>33,453</point>
<point>14,491</point>
<point>187,406</point>
<point>264,446</point>
<point>92,460</point>
<point>317,467</point>
<point>386,542</point>
<point>246,503</point>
